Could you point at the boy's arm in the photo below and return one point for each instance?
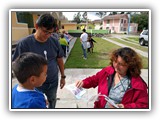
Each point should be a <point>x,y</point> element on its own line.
<point>93,40</point>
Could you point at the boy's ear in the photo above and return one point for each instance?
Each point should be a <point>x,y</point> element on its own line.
<point>32,79</point>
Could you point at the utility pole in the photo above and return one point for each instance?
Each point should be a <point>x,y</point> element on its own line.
<point>87,24</point>
<point>129,17</point>
<point>86,18</point>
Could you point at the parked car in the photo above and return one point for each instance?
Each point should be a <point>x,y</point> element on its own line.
<point>143,38</point>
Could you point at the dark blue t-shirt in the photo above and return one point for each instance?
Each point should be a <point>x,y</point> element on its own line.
<point>50,49</point>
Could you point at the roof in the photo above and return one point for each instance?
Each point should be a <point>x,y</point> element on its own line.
<point>117,16</point>
<point>69,23</point>
<point>96,21</point>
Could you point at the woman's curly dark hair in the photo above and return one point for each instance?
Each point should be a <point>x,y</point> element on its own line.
<point>131,58</point>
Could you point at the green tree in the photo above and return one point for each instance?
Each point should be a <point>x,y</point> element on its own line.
<point>113,13</point>
<point>77,18</point>
<point>142,19</point>
<point>122,12</point>
<point>101,15</point>
<point>84,17</point>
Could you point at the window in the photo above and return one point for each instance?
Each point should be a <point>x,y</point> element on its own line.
<point>121,29</point>
<point>121,20</point>
<point>107,28</point>
<point>145,32</point>
<point>108,21</point>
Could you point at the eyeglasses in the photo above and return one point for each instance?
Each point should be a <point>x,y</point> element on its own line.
<point>120,64</point>
<point>46,31</point>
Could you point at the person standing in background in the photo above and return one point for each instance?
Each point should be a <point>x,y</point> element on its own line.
<point>63,43</point>
<point>83,40</point>
<point>66,36</point>
<point>90,40</point>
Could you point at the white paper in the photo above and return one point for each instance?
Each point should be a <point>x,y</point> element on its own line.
<point>95,98</point>
<point>77,92</point>
<point>111,102</point>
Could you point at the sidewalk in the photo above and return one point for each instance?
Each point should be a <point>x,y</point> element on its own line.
<point>71,44</point>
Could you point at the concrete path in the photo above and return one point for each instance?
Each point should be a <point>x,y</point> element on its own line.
<point>71,44</point>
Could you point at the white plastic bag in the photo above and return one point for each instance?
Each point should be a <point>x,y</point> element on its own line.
<point>88,45</point>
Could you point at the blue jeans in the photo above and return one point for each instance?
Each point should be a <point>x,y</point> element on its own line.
<point>84,52</point>
<point>51,92</point>
<point>64,49</point>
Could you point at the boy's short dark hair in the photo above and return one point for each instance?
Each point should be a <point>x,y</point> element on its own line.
<point>62,35</point>
<point>84,30</point>
<point>28,64</point>
<point>46,20</point>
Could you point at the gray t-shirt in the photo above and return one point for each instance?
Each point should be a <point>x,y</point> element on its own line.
<point>50,49</point>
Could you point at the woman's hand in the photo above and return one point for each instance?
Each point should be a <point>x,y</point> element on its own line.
<point>79,83</point>
<point>120,105</point>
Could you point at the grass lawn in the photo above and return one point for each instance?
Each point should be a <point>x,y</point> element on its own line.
<point>98,59</point>
<point>132,39</point>
<point>145,49</point>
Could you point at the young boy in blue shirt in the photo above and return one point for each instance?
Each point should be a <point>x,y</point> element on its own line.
<point>30,70</point>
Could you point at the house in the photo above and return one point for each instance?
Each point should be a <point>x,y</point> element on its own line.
<point>22,22</point>
<point>133,28</point>
<point>97,24</point>
<point>68,26</point>
<point>119,24</point>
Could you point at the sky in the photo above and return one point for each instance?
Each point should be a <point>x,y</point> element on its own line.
<point>91,15</point>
